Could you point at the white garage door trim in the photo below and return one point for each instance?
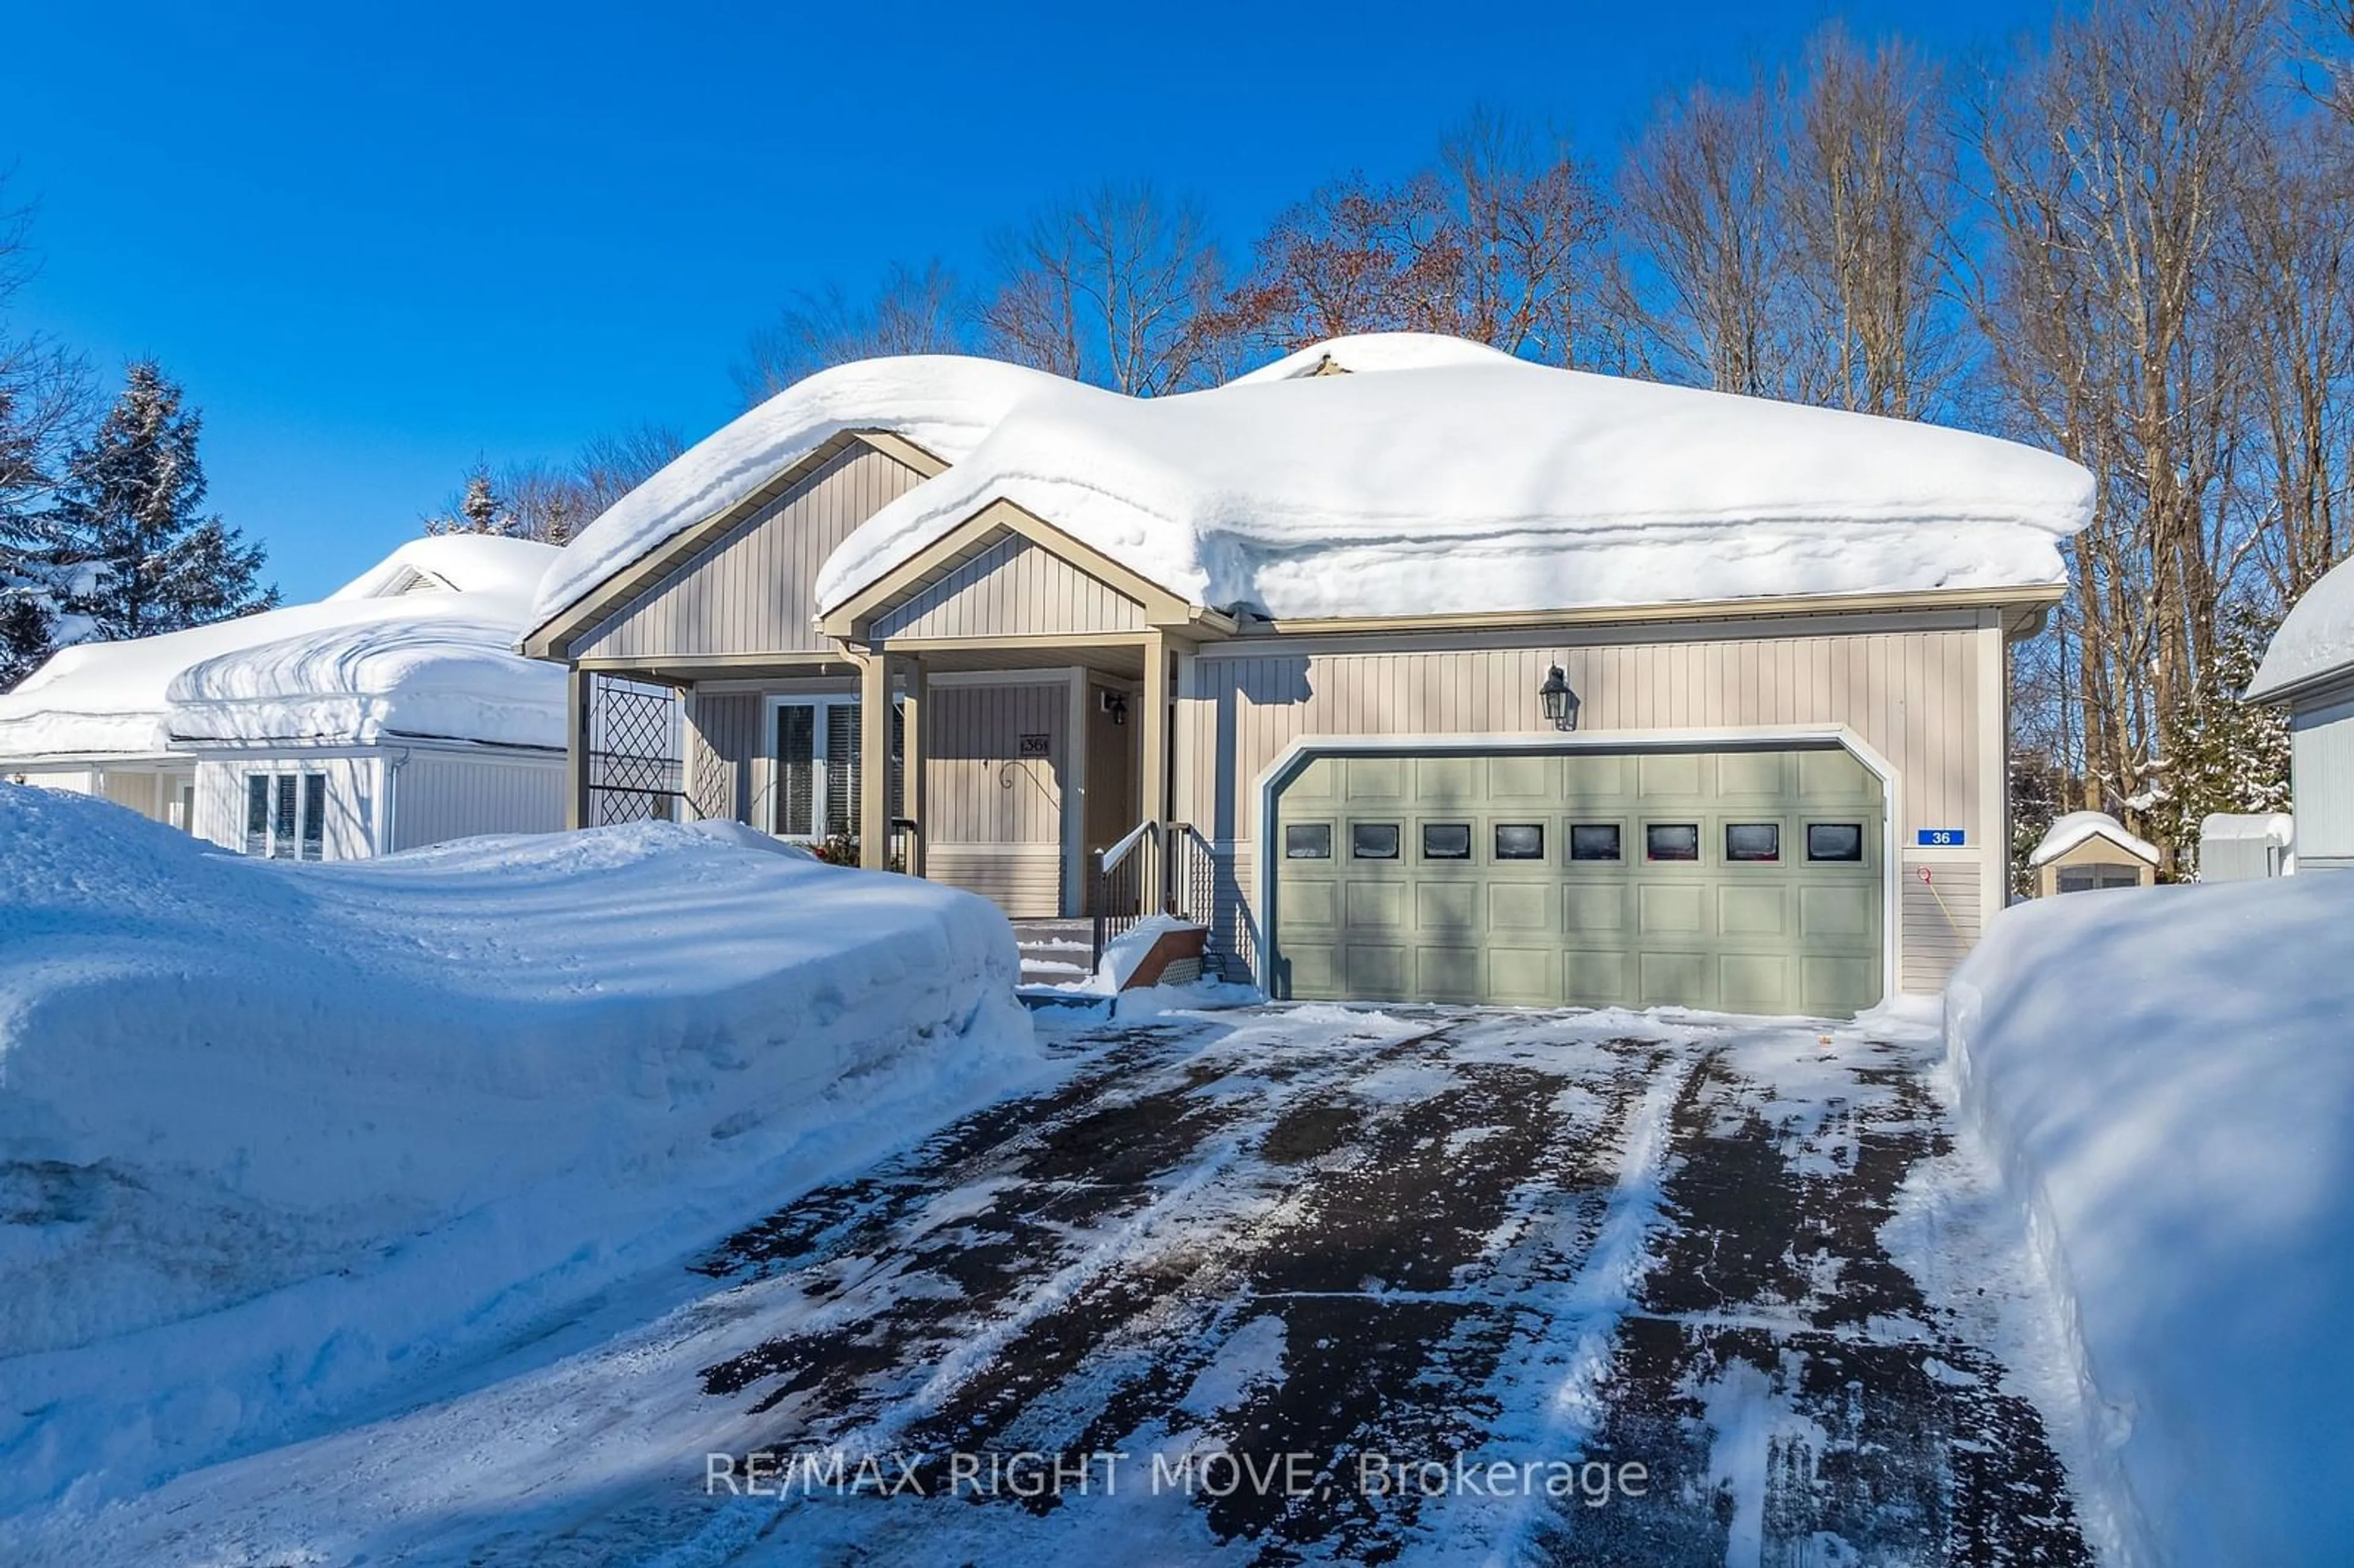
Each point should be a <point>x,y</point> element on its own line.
<point>1293,757</point>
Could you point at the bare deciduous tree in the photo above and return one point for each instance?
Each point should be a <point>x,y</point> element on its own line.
<point>1118,287</point>
<point>1871,195</point>
<point>915,312</point>
<point>47,397</point>
<point>2121,163</point>
<point>1706,266</point>
<point>1500,241</point>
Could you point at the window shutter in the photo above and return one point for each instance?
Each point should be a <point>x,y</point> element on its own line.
<point>796,750</point>
<point>257,813</point>
<point>314,815</point>
<point>897,784</point>
<point>841,769</point>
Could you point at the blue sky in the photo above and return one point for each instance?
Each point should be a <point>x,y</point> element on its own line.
<point>376,242</point>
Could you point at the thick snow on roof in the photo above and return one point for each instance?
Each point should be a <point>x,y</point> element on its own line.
<point>469,563</point>
<point>2315,639</point>
<point>2077,826</point>
<point>1367,352</point>
<point>943,403</point>
<point>1473,482</point>
<point>351,668</point>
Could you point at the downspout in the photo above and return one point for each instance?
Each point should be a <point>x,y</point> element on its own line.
<point>385,843</point>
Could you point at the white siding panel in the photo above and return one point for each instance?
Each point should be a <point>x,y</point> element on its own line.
<point>2321,765</point>
<point>354,800</point>
<point>439,797</point>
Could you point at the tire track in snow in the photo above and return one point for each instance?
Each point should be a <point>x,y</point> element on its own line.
<point>1795,1393</point>
<point>1121,1149</point>
<point>1569,1363</point>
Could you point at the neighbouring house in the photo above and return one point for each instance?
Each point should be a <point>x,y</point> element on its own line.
<point>1412,669</point>
<point>2309,670</point>
<point>2088,850</point>
<point>393,714</point>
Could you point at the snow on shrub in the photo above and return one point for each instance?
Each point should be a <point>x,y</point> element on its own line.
<point>2167,1079</point>
<point>271,1133</point>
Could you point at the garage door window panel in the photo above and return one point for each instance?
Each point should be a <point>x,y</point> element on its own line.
<point>1753,843</point>
<point>1446,841</point>
<point>1520,841</point>
<point>1307,840</point>
<point>1601,841</point>
<point>1373,841</point>
<point>1671,841</point>
<point>1835,841</point>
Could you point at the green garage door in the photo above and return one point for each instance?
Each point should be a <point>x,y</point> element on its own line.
<point>1743,881</point>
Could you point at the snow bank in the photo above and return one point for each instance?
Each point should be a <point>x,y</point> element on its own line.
<point>274,1138</point>
<point>2168,1079</point>
<point>421,645</point>
<point>2074,828</point>
<point>2315,640</point>
<point>1476,481</point>
<point>943,403</point>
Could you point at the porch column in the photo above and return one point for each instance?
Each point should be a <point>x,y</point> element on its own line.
<point>576,748</point>
<point>918,716</point>
<point>874,761</point>
<point>1152,741</point>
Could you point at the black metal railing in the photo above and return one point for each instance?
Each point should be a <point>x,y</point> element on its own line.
<point>1157,869</point>
<point>1124,884</point>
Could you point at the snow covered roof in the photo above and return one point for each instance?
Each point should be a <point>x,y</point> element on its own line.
<point>2077,826</point>
<point>1453,479</point>
<point>465,563</point>
<point>943,403</point>
<point>2315,639</point>
<point>375,660</point>
<point>2248,827</point>
<point>1367,352</point>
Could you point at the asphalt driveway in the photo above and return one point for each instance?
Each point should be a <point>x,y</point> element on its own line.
<point>1360,1259</point>
<point>1280,1285</point>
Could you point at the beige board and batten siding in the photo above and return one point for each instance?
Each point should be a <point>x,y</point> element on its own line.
<point>730,759</point>
<point>1011,589</point>
<point>1910,694</point>
<point>995,821</point>
<point>751,591</point>
<point>438,797</point>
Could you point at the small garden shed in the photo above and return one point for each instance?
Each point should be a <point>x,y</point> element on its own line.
<point>2089,850</point>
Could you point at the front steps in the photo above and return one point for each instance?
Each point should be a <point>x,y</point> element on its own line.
<point>1054,952</point>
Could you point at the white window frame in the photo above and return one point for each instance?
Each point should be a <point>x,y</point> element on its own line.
<point>823,778</point>
<point>310,822</point>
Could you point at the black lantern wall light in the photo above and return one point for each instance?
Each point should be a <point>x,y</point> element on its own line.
<point>1560,702</point>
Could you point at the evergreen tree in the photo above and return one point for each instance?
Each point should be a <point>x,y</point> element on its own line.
<point>28,629</point>
<point>127,530</point>
<point>2224,754</point>
<point>480,510</point>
